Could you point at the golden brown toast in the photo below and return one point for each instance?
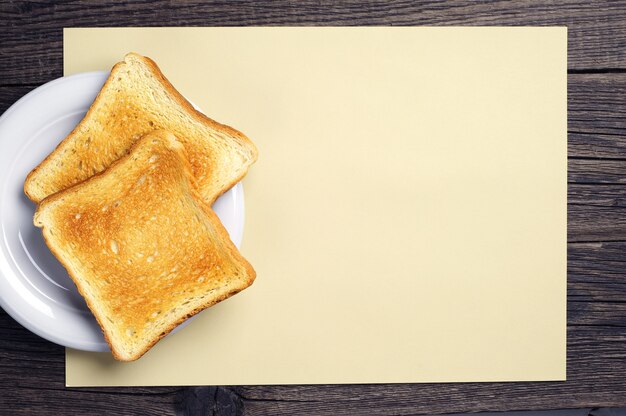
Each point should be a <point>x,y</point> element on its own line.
<point>143,248</point>
<point>137,99</point>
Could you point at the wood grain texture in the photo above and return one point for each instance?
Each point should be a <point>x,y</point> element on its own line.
<point>32,30</point>
<point>597,115</point>
<point>594,171</point>
<point>593,344</point>
<point>596,120</point>
<point>32,370</point>
<point>597,213</point>
<point>597,274</point>
<point>32,382</point>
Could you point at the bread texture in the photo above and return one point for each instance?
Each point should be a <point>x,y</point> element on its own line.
<point>135,100</point>
<point>144,249</point>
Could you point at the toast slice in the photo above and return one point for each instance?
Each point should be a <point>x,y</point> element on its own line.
<point>135,100</point>
<point>142,247</point>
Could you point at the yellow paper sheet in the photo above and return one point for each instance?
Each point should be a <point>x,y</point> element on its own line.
<point>406,217</point>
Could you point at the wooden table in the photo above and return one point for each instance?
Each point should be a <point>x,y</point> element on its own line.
<point>32,379</point>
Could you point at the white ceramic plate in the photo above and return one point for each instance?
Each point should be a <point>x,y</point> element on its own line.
<point>34,288</point>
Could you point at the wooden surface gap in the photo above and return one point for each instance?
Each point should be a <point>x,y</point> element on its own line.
<point>597,71</point>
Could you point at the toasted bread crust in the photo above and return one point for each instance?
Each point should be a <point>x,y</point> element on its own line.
<point>213,166</point>
<point>87,196</point>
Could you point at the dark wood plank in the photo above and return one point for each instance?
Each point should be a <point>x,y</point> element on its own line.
<point>19,348</point>
<point>590,348</point>
<point>597,171</point>
<point>32,30</point>
<point>46,401</point>
<point>596,364</point>
<point>32,369</point>
<point>596,361</point>
<point>611,314</point>
<point>590,223</point>
<point>596,114</point>
<point>596,212</point>
<point>607,195</point>
<point>597,145</point>
<point>597,104</point>
<point>596,273</point>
